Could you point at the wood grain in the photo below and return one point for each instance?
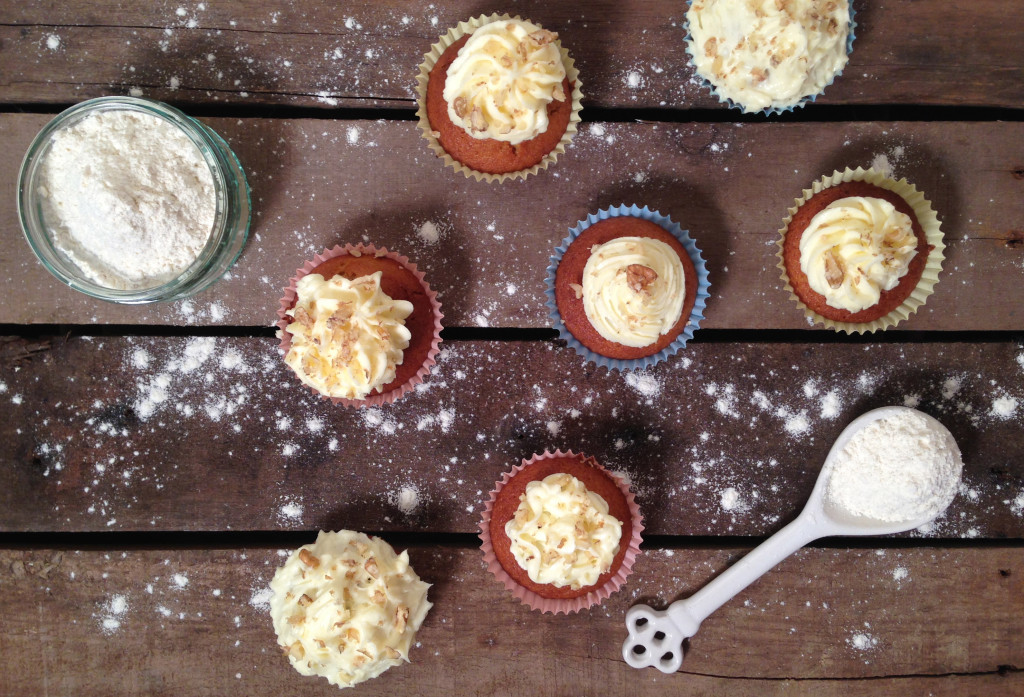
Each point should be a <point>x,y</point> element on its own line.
<point>317,183</point>
<point>360,54</point>
<point>152,433</point>
<point>793,632</point>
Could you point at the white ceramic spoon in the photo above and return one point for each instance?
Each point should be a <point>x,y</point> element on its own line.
<point>656,636</point>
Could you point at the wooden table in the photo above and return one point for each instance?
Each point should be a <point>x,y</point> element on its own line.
<point>158,462</point>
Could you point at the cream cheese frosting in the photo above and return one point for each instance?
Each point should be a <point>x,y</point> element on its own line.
<point>633,290</point>
<point>855,248</point>
<point>348,336</point>
<point>347,607</point>
<point>503,79</point>
<point>768,53</point>
<point>562,533</point>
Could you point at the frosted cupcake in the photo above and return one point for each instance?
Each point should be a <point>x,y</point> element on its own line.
<point>360,325</point>
<point>560,532</point>
<point>860,252</point>
<point>347,607</point>
<point>499,98</point>
<point>627,287</point>
<point>767,55</point>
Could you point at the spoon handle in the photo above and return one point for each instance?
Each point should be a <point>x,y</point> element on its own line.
<point>656,636</point>
<point>750,568</point>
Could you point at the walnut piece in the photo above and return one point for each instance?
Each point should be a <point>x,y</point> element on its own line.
<point>577,289</point>
<point>307,558</point>
<point>640,277</point>
<point>835,268</point>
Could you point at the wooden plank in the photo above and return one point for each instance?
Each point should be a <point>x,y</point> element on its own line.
<point>825,621</point>
<point>724,439</point>
<point>317,183</point>
<point>366,53</point>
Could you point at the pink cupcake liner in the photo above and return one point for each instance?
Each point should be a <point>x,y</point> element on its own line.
<point>561,605</point>
<point>290,296</point>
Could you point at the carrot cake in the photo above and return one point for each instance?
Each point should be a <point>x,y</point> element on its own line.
<point>625,288</point>
<point>562,527</point>
<point>347,607</point>
<point>768,54</point>
<point>498,99</point>
<point>854,252</point>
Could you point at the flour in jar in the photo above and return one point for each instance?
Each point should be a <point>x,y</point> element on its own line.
<point>128,198</point>
<point>900,468</point>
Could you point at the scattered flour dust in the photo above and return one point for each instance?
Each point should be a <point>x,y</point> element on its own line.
<point>644,383</point>
<point>862,641</point>
<point>290,510</point>
<point>900,573</point>
<point>406,499</point>
<point>1004,407</point>
<point>112,613</point>
<point>429,232</point>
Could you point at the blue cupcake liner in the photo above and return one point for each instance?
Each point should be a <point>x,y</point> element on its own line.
<point>696,315</point>
<point>769,111</point>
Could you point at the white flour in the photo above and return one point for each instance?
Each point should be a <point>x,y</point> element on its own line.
<point>129,198</point>
<point>899,468</point>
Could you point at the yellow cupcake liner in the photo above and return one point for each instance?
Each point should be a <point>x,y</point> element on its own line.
<point>925,215</point>
<point>431,58</point>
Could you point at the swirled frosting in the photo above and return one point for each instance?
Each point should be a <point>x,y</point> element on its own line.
<point>347,336</point>
<point>562,533</point>
<point>854,249</point>
<point>503,79</point>
<point>768,53</point>
<point>633,290</point>
<point>347,607</point>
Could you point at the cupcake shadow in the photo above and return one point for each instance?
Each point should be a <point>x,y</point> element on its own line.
<point>446,266</point>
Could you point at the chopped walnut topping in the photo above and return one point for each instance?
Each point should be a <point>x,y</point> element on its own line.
<point>295,650</point>
<point>476,118</point>
<point>835,268</point>
<point>391,653</point>
<point>297,620</point>
<point>577,289</point>
<point>372,568</point>
<point>379,598</point>
<point>523,51</point>
<point>711,47</point>
<point>640,277</point>
<point>435,134</point>
<point>305,600</point>
<point>362,656</point>
<point>461,107</point>
<point>307,558</point>
<point>401,618</point>
<point>558,93</point>
<point>303,318</point>
<point>506,61</point>
<point>759,74</point>
<point>352,634</point>
<point>544,37</point>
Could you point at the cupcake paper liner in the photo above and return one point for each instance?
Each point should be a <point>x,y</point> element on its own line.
<point>555,605</point>
<point>374,399</point>
<point>769,111</point>
<point>431,58</point>
<point>696,315</point>
<point>925,215</point>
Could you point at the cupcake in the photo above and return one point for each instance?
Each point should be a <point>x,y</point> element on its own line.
<point>767,55</point>
<point>561,532</point>
<point>627,288</point>
<point>860,252</point>
<point>347,607</point>
<point>360,325</point>
<point>499,98</point>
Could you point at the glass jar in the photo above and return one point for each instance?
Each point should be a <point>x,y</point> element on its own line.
<point>231,219</point>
